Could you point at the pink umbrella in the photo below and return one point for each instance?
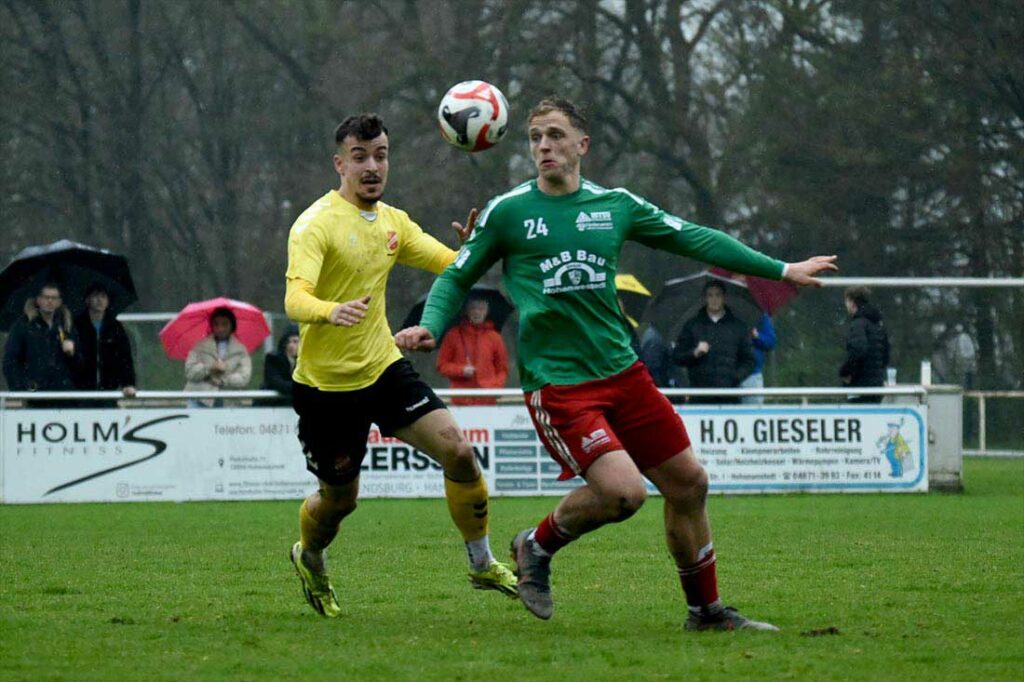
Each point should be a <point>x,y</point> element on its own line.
<point>769,294</point>
<point>192,324</point>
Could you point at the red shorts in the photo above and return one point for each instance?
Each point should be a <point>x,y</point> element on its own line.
<point>627,412</point>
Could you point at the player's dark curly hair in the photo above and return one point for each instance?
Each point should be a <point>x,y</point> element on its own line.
<point>361,126</point>
<point>577,117</point>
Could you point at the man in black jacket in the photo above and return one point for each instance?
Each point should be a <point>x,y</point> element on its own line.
<point>279,365</point>
<point>715,347</point>
<point>107,363</point>
<point>41,352</point>
<point>867,345</point>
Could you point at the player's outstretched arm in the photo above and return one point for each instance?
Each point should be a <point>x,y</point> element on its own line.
<point>415,338</point>
<point>803,273</point>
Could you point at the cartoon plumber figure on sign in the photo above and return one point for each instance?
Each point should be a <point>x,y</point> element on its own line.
<point>895,448</point>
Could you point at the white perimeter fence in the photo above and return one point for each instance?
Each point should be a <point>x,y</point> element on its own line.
<point>831,282</point>
<point>969,282</point>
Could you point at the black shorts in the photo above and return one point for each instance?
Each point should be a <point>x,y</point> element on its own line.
<point>334,425</point>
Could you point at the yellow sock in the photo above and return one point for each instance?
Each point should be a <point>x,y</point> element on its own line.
<point>467,504</point>
<point>315,535</point>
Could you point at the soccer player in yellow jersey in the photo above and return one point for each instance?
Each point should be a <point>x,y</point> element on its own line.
<point>350,373</point>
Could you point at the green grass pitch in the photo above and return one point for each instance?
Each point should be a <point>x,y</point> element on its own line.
<point>915,586</point>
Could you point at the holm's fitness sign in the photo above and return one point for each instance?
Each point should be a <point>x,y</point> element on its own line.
<point>238,453</point>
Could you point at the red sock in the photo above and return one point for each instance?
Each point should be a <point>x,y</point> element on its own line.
<point>700,583</point>
<point>550,536</point>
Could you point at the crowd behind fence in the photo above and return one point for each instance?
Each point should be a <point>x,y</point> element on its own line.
<point>992,419</point>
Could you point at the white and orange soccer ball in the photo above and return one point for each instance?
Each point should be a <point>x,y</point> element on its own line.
<point>473,116</point>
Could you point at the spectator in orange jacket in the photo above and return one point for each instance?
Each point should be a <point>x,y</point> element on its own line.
<point>472,354</point>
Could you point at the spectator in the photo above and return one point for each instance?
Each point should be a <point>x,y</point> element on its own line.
<point>473,355</point>
<point>107,363</point>
<point>656,354</point>
<point>867,345</point>
<point>650,347</point>
<point>762,338</point>
<point>279,365</point>
<point>631,329</point>
<point>963,357</point>
<point>715,347</point>
<point>41,353</point>
<point>218,361</point>
<point>631,326</point>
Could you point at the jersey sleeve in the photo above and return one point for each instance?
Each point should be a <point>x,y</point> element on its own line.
<point>301,305</point>
<point>306,249</point>
<point>418,249</point>
<point>477,255</point>
<point>653,227</point>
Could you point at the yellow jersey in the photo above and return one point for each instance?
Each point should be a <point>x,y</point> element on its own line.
<point>338,253</point>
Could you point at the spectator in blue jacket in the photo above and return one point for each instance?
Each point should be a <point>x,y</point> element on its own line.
<point>763,338</point>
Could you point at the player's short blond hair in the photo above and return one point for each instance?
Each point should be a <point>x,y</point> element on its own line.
<point>575,114</point>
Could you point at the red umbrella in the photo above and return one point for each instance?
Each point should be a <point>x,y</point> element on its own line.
<point>769,294</point>
<point>192,325</point>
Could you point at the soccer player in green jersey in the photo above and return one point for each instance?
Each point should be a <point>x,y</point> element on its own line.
<point>593,403</point>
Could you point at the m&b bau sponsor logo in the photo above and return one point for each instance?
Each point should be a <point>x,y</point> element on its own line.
<point>573,271</point>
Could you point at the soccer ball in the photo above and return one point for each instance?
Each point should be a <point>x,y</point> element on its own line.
<point>473,116</point>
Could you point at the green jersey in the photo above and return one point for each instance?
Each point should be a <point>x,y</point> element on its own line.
<point>560,256</point>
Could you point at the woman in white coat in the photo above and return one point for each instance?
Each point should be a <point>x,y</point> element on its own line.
<point>219,361</point>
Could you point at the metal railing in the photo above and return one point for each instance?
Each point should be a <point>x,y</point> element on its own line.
<point>804,393</point>
<point>983,449</point>
<point>140,396</point>
<point>143,395</point>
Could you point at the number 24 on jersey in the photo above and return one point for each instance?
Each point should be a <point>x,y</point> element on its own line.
<point>535,228</point>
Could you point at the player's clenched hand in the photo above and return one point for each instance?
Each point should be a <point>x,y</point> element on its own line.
<point>350,313</point>
<point>802,273</point>
<point>415,338</point>
<point>465,232</point>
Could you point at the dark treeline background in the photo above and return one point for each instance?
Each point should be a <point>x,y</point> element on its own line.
<point>189,135</point>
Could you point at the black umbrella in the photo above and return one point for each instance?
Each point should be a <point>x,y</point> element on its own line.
<point>681,298</point>
<point>498,312</point>
<point>70,265</point>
